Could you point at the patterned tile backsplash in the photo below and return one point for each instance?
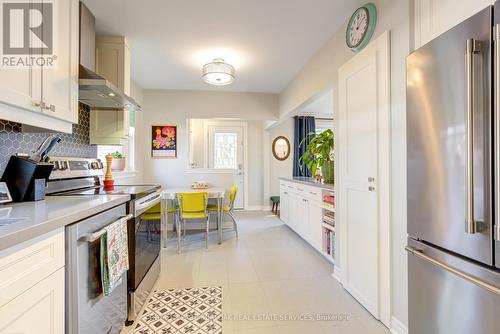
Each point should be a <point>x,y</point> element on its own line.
<point>77,144</point>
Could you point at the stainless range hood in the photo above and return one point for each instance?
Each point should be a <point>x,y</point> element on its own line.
<point>94,90</point>
<point>97,92</point>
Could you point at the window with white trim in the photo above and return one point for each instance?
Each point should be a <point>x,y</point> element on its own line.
<point>323,124</point>
<point>225,150</point>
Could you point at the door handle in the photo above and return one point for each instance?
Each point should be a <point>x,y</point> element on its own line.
<point>420,254</point>
<point>472,47</point>
<point>496,128</point>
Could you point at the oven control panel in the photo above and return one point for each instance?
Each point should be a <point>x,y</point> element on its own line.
<point>65,167</point>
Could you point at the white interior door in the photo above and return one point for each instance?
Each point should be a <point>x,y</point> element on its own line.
<point>364,181</point>
<point>226,151</point>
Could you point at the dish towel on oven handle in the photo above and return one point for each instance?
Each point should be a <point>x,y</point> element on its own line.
<point>114,255</point>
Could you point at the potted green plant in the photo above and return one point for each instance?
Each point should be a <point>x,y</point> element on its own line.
<point>319,154</point>
<point>118,162</point>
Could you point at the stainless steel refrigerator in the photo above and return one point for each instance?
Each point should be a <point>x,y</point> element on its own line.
<point>453,177</point>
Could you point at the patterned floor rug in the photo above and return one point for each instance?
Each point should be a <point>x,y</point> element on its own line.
<point>189,310</point>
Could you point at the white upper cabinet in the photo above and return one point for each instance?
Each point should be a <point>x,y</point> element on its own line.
<point>46,97</point>
<point>111,127</point>
<point>16,89</point>
<point>434,17</point>
<point>60,84</point>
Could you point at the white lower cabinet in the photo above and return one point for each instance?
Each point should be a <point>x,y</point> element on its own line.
<point>303,221</point>
<point>301,209</point>
<point>293,212</point>
<point>315,224</point>
<point>38,310</point>
<point>32,282</point>
<point>284,204</point>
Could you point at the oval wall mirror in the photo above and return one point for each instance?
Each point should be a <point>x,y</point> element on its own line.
<point>281,148</point>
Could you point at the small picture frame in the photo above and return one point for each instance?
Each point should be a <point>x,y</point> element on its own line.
<point>4,193</point>
<point>164,141</point>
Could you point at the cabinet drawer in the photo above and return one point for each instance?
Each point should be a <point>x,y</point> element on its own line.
<point>26,264</point>
<point>313,193</point>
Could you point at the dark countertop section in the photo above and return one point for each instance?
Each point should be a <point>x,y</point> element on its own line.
<point>20,222</point>
<point>308,181</point>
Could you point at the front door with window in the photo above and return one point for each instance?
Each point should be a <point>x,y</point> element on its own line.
<point>225,151</point>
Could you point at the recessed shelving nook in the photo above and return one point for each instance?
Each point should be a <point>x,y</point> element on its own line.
<point>308,208</point>
<point>328,214</point>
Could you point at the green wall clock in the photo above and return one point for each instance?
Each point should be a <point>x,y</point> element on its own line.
<point>361,27</point>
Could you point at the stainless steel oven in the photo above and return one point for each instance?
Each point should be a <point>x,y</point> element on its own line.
<point>144,244</point>
<point>88,311</point>
<point>80,177</point>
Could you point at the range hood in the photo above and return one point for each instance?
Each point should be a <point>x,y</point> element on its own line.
<point>94,90</point>
<point>97,92</point>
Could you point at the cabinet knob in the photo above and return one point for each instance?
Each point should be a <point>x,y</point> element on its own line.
<point>49,107</point>
<point>371,188</point>
<point>37,104</point>
<point>371,179</point>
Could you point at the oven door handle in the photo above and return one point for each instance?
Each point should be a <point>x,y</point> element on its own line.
<point>148,202</point>
<point>91,237</point>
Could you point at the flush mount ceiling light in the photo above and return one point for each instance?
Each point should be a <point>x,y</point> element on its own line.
<point>218,73</point>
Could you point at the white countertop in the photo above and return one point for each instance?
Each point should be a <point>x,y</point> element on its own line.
<point>308,181</point>
<point>20,222</point>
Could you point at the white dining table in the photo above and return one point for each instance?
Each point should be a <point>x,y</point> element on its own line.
<point>217,193</point>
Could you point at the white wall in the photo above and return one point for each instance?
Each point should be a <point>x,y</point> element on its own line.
<point>256,165</point>
<point>321,74</point>
<point>175,107</point>
<point>279,168</point>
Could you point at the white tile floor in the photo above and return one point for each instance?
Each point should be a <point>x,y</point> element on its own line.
<point>269,271</point>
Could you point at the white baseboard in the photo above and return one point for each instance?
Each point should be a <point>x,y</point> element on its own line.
<point>397,327</point>
<point>336,273</point>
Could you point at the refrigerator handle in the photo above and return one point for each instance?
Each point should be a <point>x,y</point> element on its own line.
<point>420,254</point>
<point>472,47</point>
<point>496,128</point>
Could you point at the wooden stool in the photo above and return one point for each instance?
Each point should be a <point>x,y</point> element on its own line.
<point>276,203</point>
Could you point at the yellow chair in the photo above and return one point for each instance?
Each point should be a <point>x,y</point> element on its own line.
<point>192,205</point>
<point>229,210</point>
<point>154,214</point>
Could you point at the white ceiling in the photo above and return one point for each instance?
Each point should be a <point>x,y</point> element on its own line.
<point>268,41</point>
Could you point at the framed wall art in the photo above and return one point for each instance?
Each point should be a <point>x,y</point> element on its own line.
<point>164,141</point>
